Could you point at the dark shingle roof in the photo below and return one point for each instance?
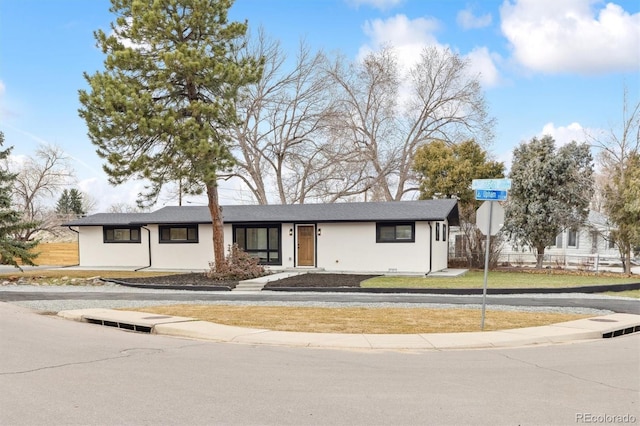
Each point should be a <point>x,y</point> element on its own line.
<point>107,219</point>
<point>335,212</point>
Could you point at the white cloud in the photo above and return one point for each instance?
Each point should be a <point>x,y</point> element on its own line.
<point>484,62</point>
<point>410,36</point>
<point>107,195</point>
<point>562,135</point>
<point>467,20</point>
<point>4,111</point>
<point>554,36</point>
<point>565,134</point>
<point>377,4</point>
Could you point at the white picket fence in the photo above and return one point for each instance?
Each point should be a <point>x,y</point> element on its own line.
<point>584,262</point>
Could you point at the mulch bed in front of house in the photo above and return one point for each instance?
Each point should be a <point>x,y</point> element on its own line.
<point>303,280</point>
<point>320,280</point>
<point>185,280</point>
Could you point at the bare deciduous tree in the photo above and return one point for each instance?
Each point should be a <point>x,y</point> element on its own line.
<point>385,115</point>
<point>39,178</point>
<point>620,160</point>
<point>282,142</point>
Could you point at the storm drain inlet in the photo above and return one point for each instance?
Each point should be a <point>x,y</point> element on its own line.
<point>621,332</point>
<point>122,325</point>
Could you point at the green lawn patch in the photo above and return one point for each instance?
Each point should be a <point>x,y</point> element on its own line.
<point>498,279</point>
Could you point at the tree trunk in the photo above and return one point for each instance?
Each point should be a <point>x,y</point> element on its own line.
<point>539,257</point>
<point>218,228</point>
<point>627,261</point>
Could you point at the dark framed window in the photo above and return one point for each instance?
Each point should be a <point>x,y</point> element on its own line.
<point>121,234</point>
<point>437,231</point>
<point>397,232</point>
<point>261,241</point>
<point>178,233</point>
<point>444,232</point>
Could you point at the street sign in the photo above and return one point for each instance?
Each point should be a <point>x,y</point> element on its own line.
<point>490,195</point>
<point>482,217</point>
<point>489,219</point>
<point>494,184</point>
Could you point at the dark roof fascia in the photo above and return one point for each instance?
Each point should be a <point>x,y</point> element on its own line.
<point>105,219</point>
<point>302,222</point>
<point>174,215</point>
<point>187,222</point>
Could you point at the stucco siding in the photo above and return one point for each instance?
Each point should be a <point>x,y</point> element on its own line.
<point>353,247</point>
<point>440,258</point>
<point>94,252</point>
<point>176,255</point>
<point>340,247</point>
<point>288,245</point>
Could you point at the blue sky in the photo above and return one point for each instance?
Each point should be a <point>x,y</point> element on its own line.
<point>547,66</point>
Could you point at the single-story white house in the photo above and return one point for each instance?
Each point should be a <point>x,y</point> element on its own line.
<point>381,237</point>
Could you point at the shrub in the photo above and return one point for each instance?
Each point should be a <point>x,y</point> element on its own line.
<point>238,265</point>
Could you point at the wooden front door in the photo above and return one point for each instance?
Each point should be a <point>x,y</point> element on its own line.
<point>306,245</point>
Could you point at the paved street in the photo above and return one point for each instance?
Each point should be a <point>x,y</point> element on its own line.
<point>55,371</point>
<point>630,306</point>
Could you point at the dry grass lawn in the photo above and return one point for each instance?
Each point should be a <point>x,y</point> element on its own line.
<point>78,273</point>
<point>361,320</point>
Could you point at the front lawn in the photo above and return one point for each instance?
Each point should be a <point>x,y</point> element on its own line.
<point>499,279</point>
<point>361,320</point>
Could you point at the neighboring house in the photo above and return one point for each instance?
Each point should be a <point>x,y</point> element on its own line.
<point>580,246</point>
<point>383,237</point>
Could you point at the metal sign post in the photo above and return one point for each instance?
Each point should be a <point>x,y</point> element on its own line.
<point>490,190</point>
<point>486,265</point>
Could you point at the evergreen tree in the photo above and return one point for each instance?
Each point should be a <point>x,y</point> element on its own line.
<point>11,222</point>
<point>76,202</point>
<point>63,206</point>
<point>551,191</point>
<point>70,203</point>
<point>160,108</point>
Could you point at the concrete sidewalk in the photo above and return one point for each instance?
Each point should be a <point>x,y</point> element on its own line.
<point>585,329</point>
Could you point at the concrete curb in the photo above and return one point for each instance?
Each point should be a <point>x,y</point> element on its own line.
<point>579,330</point>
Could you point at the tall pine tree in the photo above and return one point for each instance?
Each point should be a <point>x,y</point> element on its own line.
<point>160,108</point>
<point>12,249</point>
<point>70,203</point>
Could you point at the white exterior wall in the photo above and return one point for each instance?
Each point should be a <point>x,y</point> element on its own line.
<point>94,252</point>
<point>288,246</point>
<point>440,258</point>
<point>191,256</point>
<point>343,247</point>
<point>353,247</point>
